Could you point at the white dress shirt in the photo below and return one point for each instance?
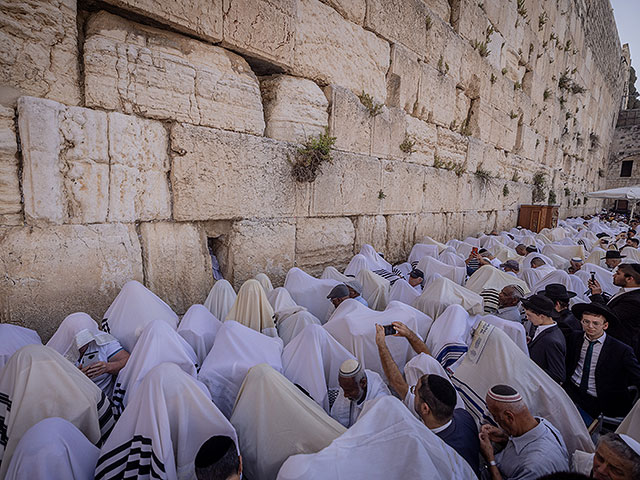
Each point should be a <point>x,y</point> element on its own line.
<point>542,328</point>
<point>577,375</point>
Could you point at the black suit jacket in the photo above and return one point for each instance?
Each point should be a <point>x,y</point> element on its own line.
<point>548,350</point>
<point>617,368</point>
<point>568,323</point>
<point>627,309</point>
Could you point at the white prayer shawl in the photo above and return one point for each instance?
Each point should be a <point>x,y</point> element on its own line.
<point>264,281</point>
<point>432,265</point>
<point>357,263</point>
<point>441,293</point>
<point>603,276</point>
<point>494,359</point>
<point>541,238</point>
<point>220,299</point>
<point>404,268</point>
<point>452,259</point>
<point>280,299</point>
<point>310,292</point>
<point>36,383</point>
<point>374,260</point>
<point>462,248</point>
<point>533,275</point>
<point>291,322</point>
<point>312,360</point>
<point>199,327</point>
<point>420,250</point>
<point>333,274</point>
<point>596,256</point>
<point>157,344</point>
<point>13,338</point>
<point>401,291</point>
<point>252,309</point>
<point>159,434</point>
<point>489,277</point>
<point>375,289</point>
<point>53,448</point>
<point>354,326</point>
<point>346,411</point>
<point>236,349</point>
<point>450,335</point>
<point>387,438</point>
<point>133,308</point>
<point>565,251</point>
<point>563,278</point>
<point>275,420</point>
<point>555,234</point>
<point>65,340</point>
<point>473,241</point>
<point>631,423</point>
<point>514,330</point>
<point>431,241</point>
<point>525,262</point>
<point>633,255</point>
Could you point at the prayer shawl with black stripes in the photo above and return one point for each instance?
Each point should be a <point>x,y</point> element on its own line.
<point>160,432</point>
<point>36,383</point>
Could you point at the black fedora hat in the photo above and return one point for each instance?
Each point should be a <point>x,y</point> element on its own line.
<point>598,308</point>
<point>540,304</point>
<point>557,291</point>
<point>613,254</point>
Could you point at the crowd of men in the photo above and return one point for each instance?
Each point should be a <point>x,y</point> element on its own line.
<point>510,355</point>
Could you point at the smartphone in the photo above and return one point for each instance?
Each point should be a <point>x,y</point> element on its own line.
<point>593,276</point>
<point>89,359</point>
<point>389,330</point>
<point>474,251</point>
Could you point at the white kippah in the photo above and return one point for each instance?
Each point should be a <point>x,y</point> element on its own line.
<point>633,444</point>
<point>576,259</point>
<point>349,368</point>
<point>504,397</point>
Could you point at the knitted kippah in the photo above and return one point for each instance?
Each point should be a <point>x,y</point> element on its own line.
<point>504,394</point>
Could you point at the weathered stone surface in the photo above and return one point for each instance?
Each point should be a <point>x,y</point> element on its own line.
<point>217,174</point>
<point>352,10</point>
<point>199,18</point>
<point>400,21</point>
<point>440,8</point>
<point>425,136</point>
<point>402,184</point>
<point>436,226</point>
<point>86,166</point>
<point>321,242</point>
<point>266,246</point>
<point>158,74</point>
<point>388,133</point>
<point>403,78</point>
<point>442,189</point>
<point>349,121</point>
<point>51,272</point>
<point>39,50</point>
<point>295,109</point>
<point>451,147</point>
<point>176,263</point>
<point>261,28</point>
<point>10,202</point>
<point>371,230</point>
<point>400,237</point>
<point>436,94</point>
<point>330,49</point>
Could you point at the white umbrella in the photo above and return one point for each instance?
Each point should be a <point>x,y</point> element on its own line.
<point>623,193</point>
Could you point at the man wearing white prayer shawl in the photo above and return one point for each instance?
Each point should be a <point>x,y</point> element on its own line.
<point>432,265</point>
<point>375,289</point>
<point>514,330</point>
<point>450,335</point>
<point>199,327</point>
<point>158,436</point>
<point>488,277</point>
<point>353,325</point>
<point>37,382</point>
<point>235,350</point>
<point>402,291</point>
<point>252,309</point>
<point>386,442</point>
<point>357,263</point>
<point>13,338</point>
<point>492,358</point>
<point>220,299</point>
<point>631,423</point>
<point>290,322</point>
<point>441,293</point>
<point>157,344</point>
<point>264,280</point>
<point>275,420</point>
<point>310,292</point>
<point>53,448</point>
<point>133,308</point>
<point>375,261</point>
<point>616,458</point>
<point>420,250</point>
<point>312,360</point>
<point>98,354</point>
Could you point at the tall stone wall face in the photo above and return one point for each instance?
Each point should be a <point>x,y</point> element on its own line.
<point>625,147</point>
<point>131,140</point>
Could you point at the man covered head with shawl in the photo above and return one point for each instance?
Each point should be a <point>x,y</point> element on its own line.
<point>252,309</point>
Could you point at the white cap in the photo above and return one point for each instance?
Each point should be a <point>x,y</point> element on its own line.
<point>349,368</point>
<point>633,444</point>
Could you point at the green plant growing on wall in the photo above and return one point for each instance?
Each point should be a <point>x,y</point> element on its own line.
<point>517,86</point>
<point>567,192</point>
<point>481,48</point>
<point>546,94</point>
<point>381,195</point>
<point>492,79</point>
<point>504,71</point>
<point>562,101</point>
<point>512,115</point>
<point>370,104</point>
<point>522,11</point>
<point>505,190</point>
<point>564,82</point>
<point>542,20</point>
<point>483,175</point>
<point>552,198</point>
<point>310,158</point>
<point>457,168</point>
<point>407,145</point>
<point>443,67</point>
<point>539,183</point>
<point>567,45</point>
<point>428,22</point>
<point>601,172</point>
<point>465,128</point>
<point>577,88</point>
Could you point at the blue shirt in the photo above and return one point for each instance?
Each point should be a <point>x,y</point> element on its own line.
<point>362,300</point>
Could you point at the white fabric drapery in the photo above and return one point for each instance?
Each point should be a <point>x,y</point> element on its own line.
<point>13,338</point>
<point>252,309</point>
<point>221,298</point>
<point>199,327</point>
<point>441,293</point>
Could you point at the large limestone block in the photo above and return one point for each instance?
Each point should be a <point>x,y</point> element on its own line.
<point>352,10</point>
<point>451,147</point>
<point>388,133</point>
<point>370,229</point>
<point>218,174</point>
<point>349,186</point>
<point>425,136</point>
<point>330,49</point>
<point>163,75</point>
<point>295,109</point>
<point>401,237</point>
<point>436,97</point>
<point>264,29</point>
<point>440,8</point>
<point>433,225</point>
<point>202,19</point>
<point>10,200</point>
<point>255,246</point>
<point>402,184</point>
<point>39,50</point>
<point>323,242</point>
<point>403,78</point>
<point>400,21</point>
<point>176,262</point>
<point>51,272</point>
<point>442,189</point>
<point>349,121</point>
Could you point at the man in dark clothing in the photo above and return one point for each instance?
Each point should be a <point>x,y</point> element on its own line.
<point>558,294</point>
<point>547,347</point>
<point>599,368</point>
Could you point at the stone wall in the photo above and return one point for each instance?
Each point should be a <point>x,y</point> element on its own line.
<point>135,133</point>
<point>625,147</point>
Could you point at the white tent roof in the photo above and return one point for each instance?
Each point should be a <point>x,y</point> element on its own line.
<point>622,193</point>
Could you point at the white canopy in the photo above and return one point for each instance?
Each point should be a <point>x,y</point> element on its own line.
<point>622,193</point>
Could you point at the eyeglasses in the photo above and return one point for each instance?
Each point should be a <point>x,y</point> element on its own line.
<point>586,323</point>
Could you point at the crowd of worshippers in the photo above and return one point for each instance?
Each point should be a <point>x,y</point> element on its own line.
<point>510,355</point>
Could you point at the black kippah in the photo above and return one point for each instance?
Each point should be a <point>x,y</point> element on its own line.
<point>213,450</point>
<point>442,389</point>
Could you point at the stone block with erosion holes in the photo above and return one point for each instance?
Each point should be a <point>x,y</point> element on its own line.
<point>403,78</point>
<point>322,242</point>
<point>295,109</point>
<point>222,175</point>
<point>370,229</point>
<point>158,74</point>
<point>402,185</point>
<point>352,10</point>
<point>176,262</point>
<point>399,21</point>
<point>10,199</point>
<point>51,272</point>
